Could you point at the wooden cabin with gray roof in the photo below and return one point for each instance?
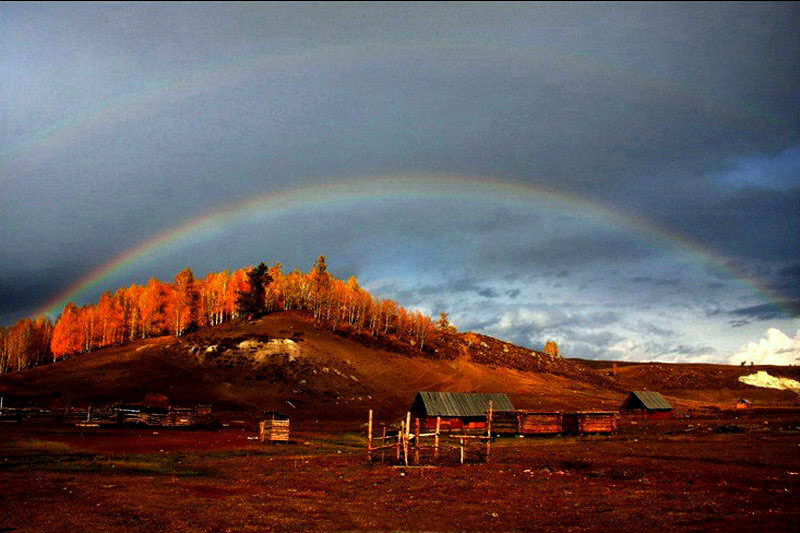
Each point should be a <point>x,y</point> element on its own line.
<point>457,410</point>
<point>649,404</point>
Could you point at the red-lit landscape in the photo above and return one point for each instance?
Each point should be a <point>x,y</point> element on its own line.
<point>717,466</point>
<point>401,266</point>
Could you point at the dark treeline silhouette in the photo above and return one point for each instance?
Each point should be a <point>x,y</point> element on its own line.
<point>159,308</point>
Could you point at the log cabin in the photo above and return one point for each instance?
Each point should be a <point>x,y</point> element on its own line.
<point>457,410</point>
<point>648,404</point>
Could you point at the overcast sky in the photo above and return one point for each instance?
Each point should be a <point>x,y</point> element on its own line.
<point>622,178</point>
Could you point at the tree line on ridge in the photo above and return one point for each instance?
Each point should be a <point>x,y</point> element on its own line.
<point>161,308</point>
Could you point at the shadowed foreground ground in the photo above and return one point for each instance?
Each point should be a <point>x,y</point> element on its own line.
<point>713,473</point>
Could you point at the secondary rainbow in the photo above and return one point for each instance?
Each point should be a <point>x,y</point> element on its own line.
<point>368,190</point>
<point>218,75</point>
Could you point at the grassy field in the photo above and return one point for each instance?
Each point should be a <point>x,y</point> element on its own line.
<point>718,473</point>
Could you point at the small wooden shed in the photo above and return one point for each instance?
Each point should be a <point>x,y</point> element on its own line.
<point>744,403</point>
<point>275,428</point>
<point>523,422</point>
<point>457,410</point>
<point>647,403</point>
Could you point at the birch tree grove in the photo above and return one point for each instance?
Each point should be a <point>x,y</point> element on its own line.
<point>161,308</point>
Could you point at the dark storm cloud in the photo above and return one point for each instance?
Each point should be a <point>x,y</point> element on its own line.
<point>121,121</point>
<point>680,352</point>
<point>488,293</point>
<point>16,295</point>
<point>753,223</point>
<point>786,281</point>
<point>593,246</point>
<point>655,330</point>
<point>655,281</point>
<point>420,294</point>
<point>768,311</point>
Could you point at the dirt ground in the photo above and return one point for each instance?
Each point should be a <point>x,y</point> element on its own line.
<point>731,472</point>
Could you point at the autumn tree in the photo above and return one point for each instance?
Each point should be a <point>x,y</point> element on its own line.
<point>421,327</point>
<point>274,291</point>
<point>153,307</point>
<point>212,297</point>
<point>319,286</point>
<point>184,301</point>
<point>444,325</point>
<point>68,333</point>
<point>252,302</point>
<point>26,344</point>
<point>551,348</point>
<point>388,314</point>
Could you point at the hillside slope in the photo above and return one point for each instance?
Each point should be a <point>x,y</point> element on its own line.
<point>697,384</point>
<point>283,362</point>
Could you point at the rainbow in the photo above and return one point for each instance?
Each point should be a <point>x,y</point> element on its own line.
<point>214,76</point>
<point>344,194</point>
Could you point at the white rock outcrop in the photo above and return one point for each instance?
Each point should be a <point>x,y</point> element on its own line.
<point>764,380</point>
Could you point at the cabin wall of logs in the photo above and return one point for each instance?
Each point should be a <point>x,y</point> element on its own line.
<point>525,422</point>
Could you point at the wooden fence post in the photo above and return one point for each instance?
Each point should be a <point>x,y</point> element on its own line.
<point>489,431</point>
<point>436,437</point>
<point>461,440</point>
<point>383,444</point>
<point>400,438</point>
<point>369,436</point>
<point>406,438</point>
<point>416,441</point>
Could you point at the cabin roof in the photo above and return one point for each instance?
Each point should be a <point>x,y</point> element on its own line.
<point>652,400</point>
<point>461,403</point>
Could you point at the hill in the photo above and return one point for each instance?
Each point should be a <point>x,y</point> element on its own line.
<point>696,383</point>
<point>284,362</point>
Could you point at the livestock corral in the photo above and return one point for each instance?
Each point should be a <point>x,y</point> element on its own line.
<point>722,471</point>
<point>113,415</point>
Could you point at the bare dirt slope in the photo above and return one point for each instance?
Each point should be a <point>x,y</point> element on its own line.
<point>284,362</point>
<point>699,384</point>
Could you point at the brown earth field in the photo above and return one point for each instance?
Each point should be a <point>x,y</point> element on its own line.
<point>732,471</point>
<point>710,468</point>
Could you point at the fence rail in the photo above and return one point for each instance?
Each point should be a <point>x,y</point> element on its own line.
<point>408,445</point>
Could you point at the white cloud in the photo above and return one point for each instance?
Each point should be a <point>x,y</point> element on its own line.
<point>776,348</point>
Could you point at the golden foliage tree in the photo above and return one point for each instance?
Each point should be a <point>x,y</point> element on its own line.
<point>551,348</point>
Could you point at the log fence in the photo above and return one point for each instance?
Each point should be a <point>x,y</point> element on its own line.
<point>411,447</point>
